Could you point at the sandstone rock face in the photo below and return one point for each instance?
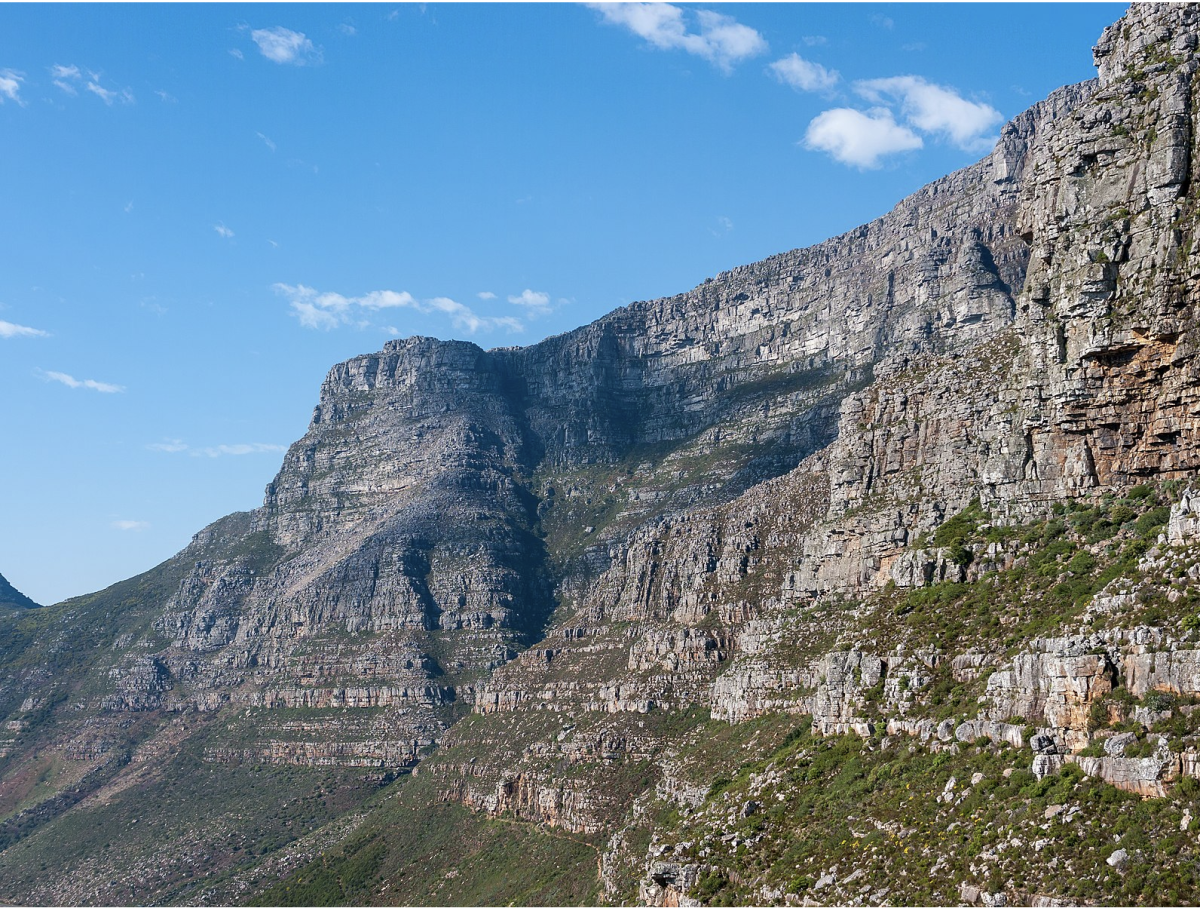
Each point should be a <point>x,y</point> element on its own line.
<point>1055,687</point>
<point>417,537</point>
<point>680,509</point>
<point>1112,386</point>
<point>398,554</point>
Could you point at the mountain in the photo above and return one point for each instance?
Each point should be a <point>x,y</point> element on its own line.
<point>11,597</point>
<point>861,574</point>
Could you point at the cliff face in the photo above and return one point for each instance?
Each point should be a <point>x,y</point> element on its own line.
<point>817,485</point>
<point>446,500</point>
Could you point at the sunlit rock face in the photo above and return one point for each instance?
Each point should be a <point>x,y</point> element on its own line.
<point>513,570</point>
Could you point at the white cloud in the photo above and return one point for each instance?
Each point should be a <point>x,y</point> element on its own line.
<point>347,29</point>
<point>129,207</point>
<point>238,450</point>
<point>125,96</point>
<point>167,97</point>
<point>814,40</point>
<point>325,311</point>
<point>803,74</point>
<point>177,446</point>
<point>8,329</point>
<point>721,40</point>
<point>936,109</point>
<point>724,226</point>
<point>65,76</point>
<point>266,141</point>
<point>857,138</point>
<point>464,318</point>
<point>130,525</point>
<point>102,93</point>
<point>534,302</point>
<point>90,384</point>
<point>10,86</point>
<point>486,295</point>
<point>883,21</point>
<point>236,54</point>
<point>222,231</point>
<point>170,446</point>
<point>282,45</point>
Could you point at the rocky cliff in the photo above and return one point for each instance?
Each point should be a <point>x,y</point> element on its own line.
<point>908,503</point>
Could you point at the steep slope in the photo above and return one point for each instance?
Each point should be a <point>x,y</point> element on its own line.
<point>11,597</point>
<point>607,569</point>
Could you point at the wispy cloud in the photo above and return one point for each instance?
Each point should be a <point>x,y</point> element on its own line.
<point>803,74</point>
<point>167,97</point>
<point>178,446</point>
<point>857,138</point>
<point>108,96</point>
<point>170,446</point>
<point>324,311</point>
<point>814,40</point>
<point>534,302</point>
<point>65,77</point>
<point>8,329</point>
<point>88,383</point>
<point>222,231</point>
<point>348,30</point>
<point>282,45</point>
<point>266,141</point>
<point>10,86</point>
<point>486,295</point>
<point>238,450</point>
<point>936,109</point>
<point>130,525</point>
<point>236,54</point>
<point>721,40</point>
<point>102,93</point>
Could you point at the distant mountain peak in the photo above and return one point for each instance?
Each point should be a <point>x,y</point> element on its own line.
<point>11,597</point>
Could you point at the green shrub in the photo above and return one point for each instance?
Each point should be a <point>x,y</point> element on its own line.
<point>1158,700</point>
<point>1149,524</point>
<point>1097,715</point>
<point>961,527</point>
<point>1082,563</point>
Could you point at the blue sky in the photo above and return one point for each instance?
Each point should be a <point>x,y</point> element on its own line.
<point>202,208</point>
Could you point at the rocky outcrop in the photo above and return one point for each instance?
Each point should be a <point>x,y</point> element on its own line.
<point>1184,524</point>
<point>1055,686</point>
